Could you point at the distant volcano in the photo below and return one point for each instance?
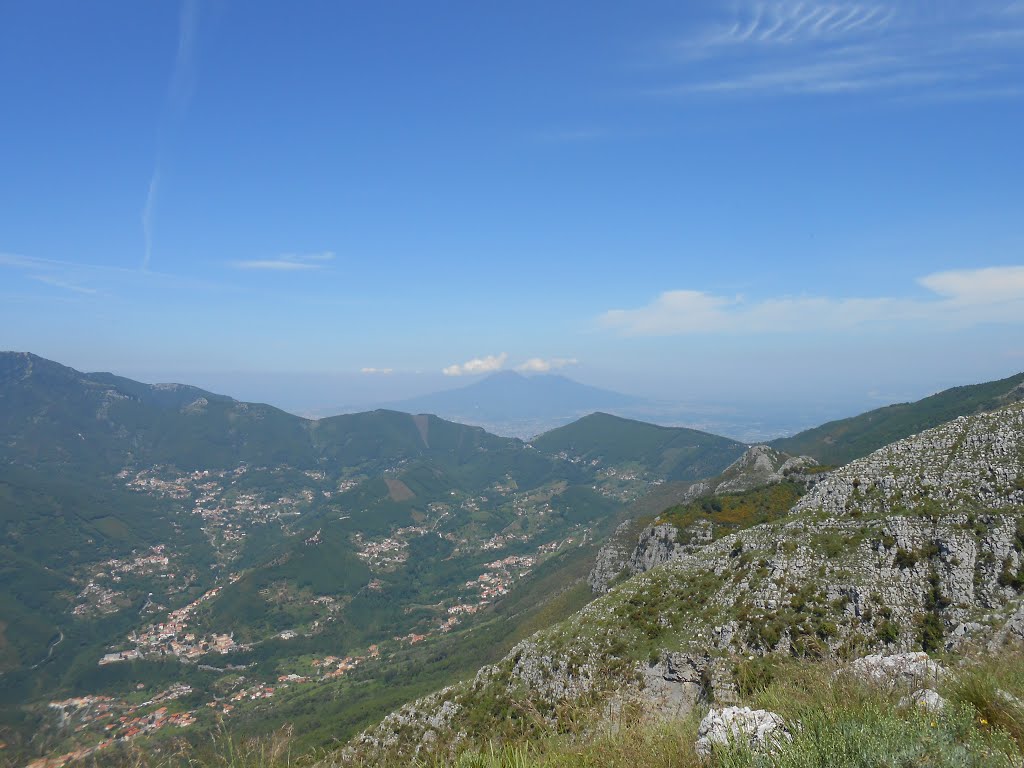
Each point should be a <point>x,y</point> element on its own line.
<point>509,398</point>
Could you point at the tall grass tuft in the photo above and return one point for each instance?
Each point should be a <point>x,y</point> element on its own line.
<point>993,687</point>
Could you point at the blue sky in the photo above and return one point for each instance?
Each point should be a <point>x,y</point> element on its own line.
<point>753,202</point>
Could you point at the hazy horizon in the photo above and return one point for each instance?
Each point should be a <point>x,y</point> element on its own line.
<point>749,419</point>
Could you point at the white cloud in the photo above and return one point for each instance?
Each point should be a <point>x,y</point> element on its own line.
<point>962,298</point>
<point>978,286</point>
<point>540,365</point>
<point>477,365</point>
<point>289,262</point>
<point>377,371</point>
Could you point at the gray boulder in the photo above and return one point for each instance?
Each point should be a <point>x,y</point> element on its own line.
<point>758,728</point>
<point>900,670</point>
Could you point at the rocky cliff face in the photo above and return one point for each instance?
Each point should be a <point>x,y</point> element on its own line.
<point>971,463</point>
<point>638,546</point>
<point>612,559</point>
<point>920,544</point>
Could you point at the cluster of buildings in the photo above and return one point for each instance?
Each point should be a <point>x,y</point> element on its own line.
<point>506,488</point>
<point>412,638</point>
<point>573,459</point>
<point>97,598</point>
<point>253,692</point>
<point>332,667</point>
<point>172,637</point>
<point>118,721</point>
<point>126,727</point>
<point>502,540</point>
<point>552,546</point>
<point>348,485</point>
<point>382,553</point>
<point>226,513</point>
<point>503,574</point>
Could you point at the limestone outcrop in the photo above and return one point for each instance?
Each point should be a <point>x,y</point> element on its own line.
<point>758,728</point>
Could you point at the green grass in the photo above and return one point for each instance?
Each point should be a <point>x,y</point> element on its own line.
<point>729,512</point>
<point>836,721</point>
<point>842,724</point>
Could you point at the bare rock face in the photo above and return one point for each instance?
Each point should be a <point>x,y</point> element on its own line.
<point>1012,630</point>
<point>930,525</point>
<point>414,727</point>
<point>760,465</point>
<point>676,683</point>
<point>973,461</point>
<point>758,728</point>
<point>612,560</point>
<point>659,544</point>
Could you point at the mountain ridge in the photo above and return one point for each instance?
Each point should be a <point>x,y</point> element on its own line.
<point>837,442</point>
<point>606,437</point>
<point>874,557</point>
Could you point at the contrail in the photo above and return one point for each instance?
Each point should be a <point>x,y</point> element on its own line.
<point>147,217</point>
<point>179,92</point>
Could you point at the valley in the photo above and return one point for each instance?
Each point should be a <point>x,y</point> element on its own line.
<point>382,535</point>
<point>323,574</point>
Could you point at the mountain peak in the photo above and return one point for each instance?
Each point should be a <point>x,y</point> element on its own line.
<point>505,374</point>
<point>508,402</point>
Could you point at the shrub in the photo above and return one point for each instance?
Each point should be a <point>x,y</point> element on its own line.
<point>832,544</point>
<point>905,559</point>
<point>1009,578</point>
<point>887,632</point>
<point>931,632</point>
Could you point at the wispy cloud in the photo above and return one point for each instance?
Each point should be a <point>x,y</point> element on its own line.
<point>813,48</point>
<point>179,92</point>
<point>147,218</point>
<point>58,274</point>
<point>540,365</point>
<point>376,371</point>
<point>477,365</point>
<point>58,283</point>
<point>788,23</point>
<point>288,262</point>
<point>98,279</point>
<point>960,299</point>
